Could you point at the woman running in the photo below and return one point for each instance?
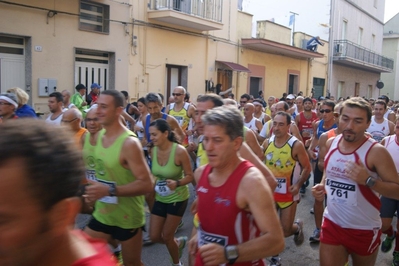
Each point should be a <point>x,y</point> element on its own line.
<point>172,169</point>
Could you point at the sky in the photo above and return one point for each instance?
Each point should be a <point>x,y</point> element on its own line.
<point>311,13</point>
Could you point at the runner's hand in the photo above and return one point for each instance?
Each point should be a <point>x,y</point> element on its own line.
<point>95,190</point>
<point>193,245</point>
<point>318,192</point>
<point>212,254</point>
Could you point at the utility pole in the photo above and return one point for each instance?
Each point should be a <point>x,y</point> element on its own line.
<point>293,25</point>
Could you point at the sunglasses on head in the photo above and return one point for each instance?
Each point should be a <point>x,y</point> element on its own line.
<point>327,111</point>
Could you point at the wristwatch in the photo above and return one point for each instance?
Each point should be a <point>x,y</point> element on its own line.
<point>231,254</point>
<point>112,190</point>
<point>370,181</point>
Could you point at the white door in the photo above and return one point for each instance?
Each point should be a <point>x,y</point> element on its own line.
<point>89,73</point>
<point>12,72</point>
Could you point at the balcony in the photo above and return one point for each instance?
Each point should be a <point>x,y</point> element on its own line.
<point>352,55</point>
<point>198,15</point>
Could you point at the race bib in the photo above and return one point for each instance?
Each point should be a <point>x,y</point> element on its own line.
<point>91,175</point>
<point>281,185</point>
<point>207,238</point>
<point>108,199</point>
<point>341,193</point>
<point>162,188</point>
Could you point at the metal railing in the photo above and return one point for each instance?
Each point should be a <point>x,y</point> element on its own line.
<point>345,48</point>
<point>207,9</point>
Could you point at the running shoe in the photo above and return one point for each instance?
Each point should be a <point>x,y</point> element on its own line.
<point>275,261</point>
<point>395,261</point>
<point>312,211</point>
<point>180,224</point>
<point>315,238</point>
<point>118,257</point>
<point>147,240</point>
<point>182,244</point>
<point>387,243</point>
<point>298,236</point>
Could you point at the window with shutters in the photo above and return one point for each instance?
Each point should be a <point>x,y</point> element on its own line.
<point>94,17</point>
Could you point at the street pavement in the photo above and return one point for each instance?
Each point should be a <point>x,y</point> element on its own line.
<point>305,255</point>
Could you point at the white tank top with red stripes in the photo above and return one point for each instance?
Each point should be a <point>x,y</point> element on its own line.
<point>349,204</point>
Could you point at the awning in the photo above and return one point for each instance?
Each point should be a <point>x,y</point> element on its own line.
<point>234,66</point>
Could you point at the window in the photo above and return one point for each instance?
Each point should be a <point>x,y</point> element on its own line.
<point>340,89</point>
<point>360,36</point>
<point>344,27</point>
<point>94,17</point>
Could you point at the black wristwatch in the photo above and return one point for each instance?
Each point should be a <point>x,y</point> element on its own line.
<point>370,181</point>
<point>112,190</point>
<point>231,254</point>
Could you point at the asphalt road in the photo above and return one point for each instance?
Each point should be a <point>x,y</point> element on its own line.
<point>305,255</point>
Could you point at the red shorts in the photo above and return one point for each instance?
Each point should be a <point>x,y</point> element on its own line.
<point>360,242</point>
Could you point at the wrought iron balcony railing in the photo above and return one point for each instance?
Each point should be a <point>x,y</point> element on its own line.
<point>346,50</point>
<point>206,9</point>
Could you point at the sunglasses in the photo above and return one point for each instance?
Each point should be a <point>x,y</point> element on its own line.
<point>327,111</point>
<point>177,94</point>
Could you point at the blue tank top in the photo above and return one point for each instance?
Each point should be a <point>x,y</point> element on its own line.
<point>321,130</point>
<point>147,125</point>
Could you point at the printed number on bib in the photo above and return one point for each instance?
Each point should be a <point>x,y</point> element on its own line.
<point>91,175</point>
<point>108,199</point>
<point>341,193</point>
<point>281,185</point>
<point>206,238</point>
<point>162,189</point>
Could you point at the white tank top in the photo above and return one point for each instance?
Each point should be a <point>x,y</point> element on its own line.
<point>140,134</point>
<point>378,131</point>
<point>392,145</point>
<point>350,205</point>
<point>56,121</point>
<point>387,113</point>
<point>252,124</point>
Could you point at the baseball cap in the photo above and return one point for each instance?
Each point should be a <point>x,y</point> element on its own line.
<point>321,98</point>
<point>80,87</point>
<point>91,108</point>
<point>291,97</point>
<point>95,86</point>
<point>225,92</point>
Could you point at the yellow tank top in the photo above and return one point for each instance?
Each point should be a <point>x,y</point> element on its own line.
<point>279,160</point>
<point>182,118</point>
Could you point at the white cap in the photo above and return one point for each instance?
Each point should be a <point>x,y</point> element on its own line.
<point>226,91</point>
<point>291,97</point>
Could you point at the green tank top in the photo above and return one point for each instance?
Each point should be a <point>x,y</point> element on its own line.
<point>168,171</point>
<point>124,212</point>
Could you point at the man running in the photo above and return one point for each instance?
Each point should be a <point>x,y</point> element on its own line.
<point>240,196</point>
<point>390,206</point>
<point>41,173</point>
<point>154,107</point>
<point>55,103</point>
<point>357,170</point>
<point>380,127</point>
<point>123,178</point>
<point>181,110</point>
<point>283,151</point>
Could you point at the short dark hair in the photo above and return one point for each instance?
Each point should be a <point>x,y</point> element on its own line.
<point>246,96</point>
<point>358,102</point>
<point>307,99</point>
<point>54,168</point>
<point>187,96</point>
<point>211,97</point>
<point>119,98</point>
<point>80,87</point>
<point>57,95</point>
<point>382,102</point>
<point>141,100</point>
<point>287,116</point>
<point>329,103</point>
<point>125,93</point>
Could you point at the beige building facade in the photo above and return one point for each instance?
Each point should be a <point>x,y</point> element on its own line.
<point>51,46</point>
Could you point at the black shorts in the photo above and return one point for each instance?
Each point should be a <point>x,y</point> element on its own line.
<point>115,232</point>
<point>388,207</point>
<point>317,174</point>
<point>175,208</point>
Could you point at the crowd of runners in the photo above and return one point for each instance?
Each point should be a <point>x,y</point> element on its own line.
<point>107,160</point>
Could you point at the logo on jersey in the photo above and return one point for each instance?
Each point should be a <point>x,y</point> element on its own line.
<point>202,189</point>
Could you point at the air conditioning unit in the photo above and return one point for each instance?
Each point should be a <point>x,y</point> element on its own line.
<point>338,49</point>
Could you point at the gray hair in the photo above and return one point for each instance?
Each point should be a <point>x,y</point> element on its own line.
<point>152,98</point>
<point>228,118</point>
